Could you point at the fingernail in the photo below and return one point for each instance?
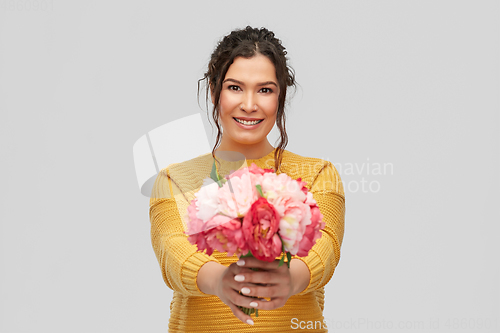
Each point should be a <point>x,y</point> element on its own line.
<point>253,304</point>
<point>239,278</point>
<point>240,262</point>
<point>245,290</point>
<point>250,321</point>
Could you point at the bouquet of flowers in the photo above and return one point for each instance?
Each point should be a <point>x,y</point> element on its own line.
<point>254,212</point>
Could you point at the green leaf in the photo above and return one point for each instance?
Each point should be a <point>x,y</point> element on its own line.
<point>213,173</point>
<point>259,189</point>
<point>289,258</point>
<point>256,312</point>
<point>282,244</point>
<point>282,260</point>
<point>215,176</point>
<point>249,254</point>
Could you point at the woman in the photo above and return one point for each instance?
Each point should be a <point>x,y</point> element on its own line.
<point>247,78</point>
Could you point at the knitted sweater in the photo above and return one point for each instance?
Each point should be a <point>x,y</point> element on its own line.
<point>191,310</point>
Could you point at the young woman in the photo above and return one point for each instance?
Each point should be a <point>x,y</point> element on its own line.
<point>248,77</point>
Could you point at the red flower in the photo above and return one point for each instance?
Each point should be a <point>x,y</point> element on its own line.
<point>260,227</point>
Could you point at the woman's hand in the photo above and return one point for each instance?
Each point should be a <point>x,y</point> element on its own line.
<point>227,289</point>
<point>271,281</point>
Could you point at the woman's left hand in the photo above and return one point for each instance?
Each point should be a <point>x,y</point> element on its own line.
<point>269,281</point>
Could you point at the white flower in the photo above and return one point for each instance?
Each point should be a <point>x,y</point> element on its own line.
<point>208,202</point>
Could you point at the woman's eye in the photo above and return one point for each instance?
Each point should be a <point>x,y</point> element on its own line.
<point>235,88</point>
<point>267,90</point>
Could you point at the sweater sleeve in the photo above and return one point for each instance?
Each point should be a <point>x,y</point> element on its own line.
<point>179,260</point>
<point>328,191</point>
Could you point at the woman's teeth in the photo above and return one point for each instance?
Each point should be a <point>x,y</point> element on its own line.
<point>245,122</point>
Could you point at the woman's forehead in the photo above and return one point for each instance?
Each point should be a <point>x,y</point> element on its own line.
<point>254,70</point>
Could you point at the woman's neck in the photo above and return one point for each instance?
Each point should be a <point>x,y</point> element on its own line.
<point>251,152</point>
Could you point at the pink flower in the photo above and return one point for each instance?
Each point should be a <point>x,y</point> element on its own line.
<point>312,232</point>
<point>293,224</point>
<point>276,187</point>
<point>200,241</point>
<point>237,195</point>
<point>222,234</point>
<point>260,226</point>
<point>233,232</point>
<point>213,234</point>
<point>310,199</point>
<point>302,185</point>
<point>205,235</point>
<point>194,225</point>
<point>235,219</point>
<point>253,169</point>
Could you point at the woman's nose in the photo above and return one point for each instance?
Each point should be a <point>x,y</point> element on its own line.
<point>249,102</point>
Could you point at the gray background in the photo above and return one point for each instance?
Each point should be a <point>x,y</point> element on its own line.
<point>413,84</point>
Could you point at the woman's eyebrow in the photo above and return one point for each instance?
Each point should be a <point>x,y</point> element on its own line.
<point>267,82</point>
<point>258,84</point>
<point>235,81</point>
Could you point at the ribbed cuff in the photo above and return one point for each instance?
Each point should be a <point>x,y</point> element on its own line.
<point>190,270</point>
<point>316,269</point>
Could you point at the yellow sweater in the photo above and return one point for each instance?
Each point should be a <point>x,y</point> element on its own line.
<point>194,311</point>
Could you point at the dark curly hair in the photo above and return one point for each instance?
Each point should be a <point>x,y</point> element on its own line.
<point>247,43</point>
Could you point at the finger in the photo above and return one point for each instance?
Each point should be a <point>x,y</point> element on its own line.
<point>241,300</point>
<point>240,315</point>
<point>251,262</point>
<point>263,277</point>
<point>269,291</point>
<point>274,303</point>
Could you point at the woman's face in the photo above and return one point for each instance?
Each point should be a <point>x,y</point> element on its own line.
<point>249,92</point>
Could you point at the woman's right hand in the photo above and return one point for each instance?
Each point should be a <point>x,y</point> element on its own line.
<point>227,289</point>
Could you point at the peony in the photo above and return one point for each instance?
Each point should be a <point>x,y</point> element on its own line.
<point>195,224</point>
<point>302,185</point>
<point>234,218</point>
<point>310,199</point>
<point>293,224</point>
<point>207,196</point>
<point>312,232</point>
<point>214,237</point>
<point>236,196</point>
<point>253,169</point>
<point>281,186</point>
<point>255,212</point>
<point>200,241</point>
<point>235,240</point>
<point>260,227</point>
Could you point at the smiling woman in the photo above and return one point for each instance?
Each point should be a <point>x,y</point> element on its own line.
<point>248,77</point>
<point>248,106</point>
<point>247,81</point>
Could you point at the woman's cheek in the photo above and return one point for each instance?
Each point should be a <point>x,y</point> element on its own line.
<point>273,105</point>
<point>228,104</point>
<point>272,108</point>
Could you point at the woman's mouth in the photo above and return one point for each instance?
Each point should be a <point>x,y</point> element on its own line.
<point>248,123</point>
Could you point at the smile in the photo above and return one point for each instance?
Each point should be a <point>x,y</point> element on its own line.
<point>246,122</point>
